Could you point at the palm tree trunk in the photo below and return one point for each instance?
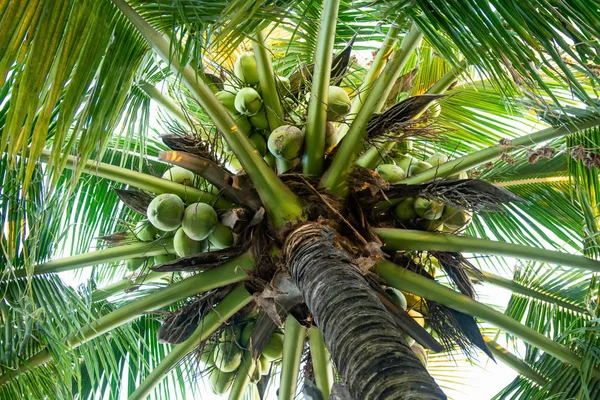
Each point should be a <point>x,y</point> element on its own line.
<point>368,349</point>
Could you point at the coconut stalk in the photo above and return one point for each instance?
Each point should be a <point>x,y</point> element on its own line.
<point>230,272</point>
<point>518,365</point>
<point>111,254</point>
<point>270,97</point>
<point>143,181</point>
<point>515,287</point>
<point>334,179</point>
<point>358,330</point>
<point>168,104</point>
<point>365,88</point>
<point>231,304</point>
<point>242,377</point>
<point>126,284</point>
<point>321,362</point>
<point>407,239</point>
<point>278,200</point>
<point>374,155</point>
<point>491,153</point>
<point>294,335</point>
<point>314,140</point>
<point>406,280</point>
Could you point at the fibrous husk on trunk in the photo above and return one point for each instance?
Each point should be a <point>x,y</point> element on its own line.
<point>368,349</point>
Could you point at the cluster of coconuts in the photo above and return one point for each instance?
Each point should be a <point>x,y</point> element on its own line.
<point>223,355</point>
<point>195,228</point>
<point>243,99</point>
<point>425,213</point>
<point>408,302</point>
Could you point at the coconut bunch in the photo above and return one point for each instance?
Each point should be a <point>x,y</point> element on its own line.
<point>195,227</point>
<point>224,354</point>
<point>242,97</point>
<point>421,212</point>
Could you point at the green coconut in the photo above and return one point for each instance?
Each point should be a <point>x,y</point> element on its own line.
<point>221,237</point>
<point>417,167</point>
<point>270,160</point>
<point>404,161</point>
<point>259,120</point>
<point>227,356</point>
<point>274,348</point>
<point>207,356</point>
<point>165,212</point>
<point>145,231</point>
<point>437,159</point>
<point>283,85</point>
<point>428,209</point>
<point>179,175</point>
<point>164,258</point>
<point>460,175</point>
<point>420,352</point>
<point>404,146</point>
<point>247,333</point>
<point>259,143</point>
<point>286,142</point>
<point>397,297</point>
<point>186,246</point>
<point>434,225</point>
<point>405,210</point>
<point>199,221</point>
<point>135,263</point>
<point>338,103</point>
<point>248,101</point>
<point>435,110</point>
<point>289,104</point>
<point>455,218</point>
<point>391,173</point>
<point>227,98</point>
<point>245,69</point>
<point>243,123</point>
<point>265,365</point>
<point>220,381</point>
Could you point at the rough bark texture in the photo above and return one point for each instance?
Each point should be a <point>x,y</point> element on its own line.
<point>369,352</point>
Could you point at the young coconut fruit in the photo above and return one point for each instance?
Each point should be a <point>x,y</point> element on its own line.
<point>186,246</point>
<point>243,123</point>
<point>338,104</point>
<point>207,356</point>
<point>417,167</point>
<point>405,210</point>
<point>397,297</point>
<point>455,218</point>
<point>199,221</point>
<point>259,120</point>
<point>227,356</point>
<point>133,264</point>
<point>286,142</point>
<point>428,209</point>
<point>179,175</point>
<point>437,159</point>
<point>165,212</point>
<point>404,146</point>
<point>259,143</point>
<point>245,69</point>
<point>405,161</point>
<point>274,348</point>
<point>221,237</point>
<point>283,85</point>
<point>391,173</point>
<point>220,381</point>
<point>329,137</point>
<point>227,98</point>
<point>163,258</point>
<point>248,101</point>
<point>420,352</point>
<point>144,231</point>
<point>430,225</point>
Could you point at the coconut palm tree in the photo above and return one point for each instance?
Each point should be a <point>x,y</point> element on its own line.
<point>337,214</point>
